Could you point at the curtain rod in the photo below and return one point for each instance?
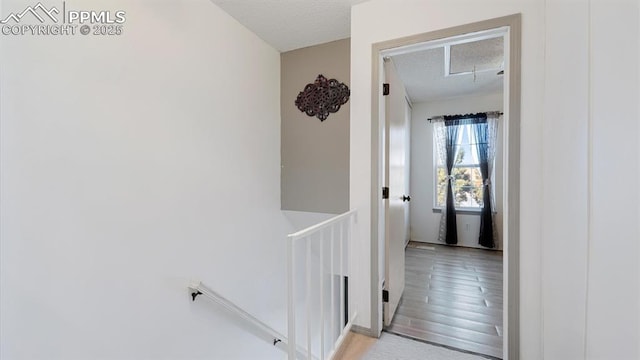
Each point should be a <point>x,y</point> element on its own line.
<point>466,116</point>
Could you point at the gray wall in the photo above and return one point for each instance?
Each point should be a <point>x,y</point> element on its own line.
<point>315,154</point>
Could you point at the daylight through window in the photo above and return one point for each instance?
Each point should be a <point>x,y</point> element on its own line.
<point>467,184</point>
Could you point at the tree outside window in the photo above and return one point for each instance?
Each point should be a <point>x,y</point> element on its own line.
<point>467,184</point>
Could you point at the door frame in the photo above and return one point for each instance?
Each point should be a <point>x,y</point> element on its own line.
<point>511,217</point>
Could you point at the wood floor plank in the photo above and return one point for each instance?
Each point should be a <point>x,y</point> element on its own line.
<point>495,285</point>
<point>424,313</point>
<point>354,347</point>
<point>453,297</point>
<point>450,321</point>
<point>478,298</point>
<point>454,305</point>
<point>457,332</point>
<point>451,293</point>
<point>447,340</point>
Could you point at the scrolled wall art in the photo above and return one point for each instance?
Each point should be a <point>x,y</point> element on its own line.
<point>322,97</point>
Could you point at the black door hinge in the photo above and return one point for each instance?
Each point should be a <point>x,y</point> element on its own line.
<point>385,192</point>
<point>385,89</point>
<point>385,295</point>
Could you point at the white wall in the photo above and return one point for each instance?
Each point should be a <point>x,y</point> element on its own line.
<point>579,77</point>
<point>613,282</point>
<point>300,220</point>
<point>424,221</point>
<point>131,165</point>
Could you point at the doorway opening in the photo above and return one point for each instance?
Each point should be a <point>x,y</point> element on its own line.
<point>470,69</point>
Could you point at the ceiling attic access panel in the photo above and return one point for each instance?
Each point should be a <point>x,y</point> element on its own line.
<point>475,56</point>
<point>425,72</point>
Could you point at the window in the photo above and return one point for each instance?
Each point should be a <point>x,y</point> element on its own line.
<point>467,184</point>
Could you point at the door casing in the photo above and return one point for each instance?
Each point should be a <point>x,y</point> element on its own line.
<point>511,219</point>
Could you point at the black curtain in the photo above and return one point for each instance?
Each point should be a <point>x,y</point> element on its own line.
<point>452,138</point>
<point>486,220</point>
<point>481,129</point>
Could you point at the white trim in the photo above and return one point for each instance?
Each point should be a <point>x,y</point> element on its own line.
<point>312,229</point>
<point>342,337</point>
<point>510,27</point>
<point>315,234</point>
<point>451,40</point>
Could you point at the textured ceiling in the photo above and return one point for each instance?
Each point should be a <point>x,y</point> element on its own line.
<point>478,55</point>
<point>423,72</point>
<point>293,24</point>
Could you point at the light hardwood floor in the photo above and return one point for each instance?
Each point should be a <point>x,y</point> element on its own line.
<point>354,347</point>
<point>452,297</point>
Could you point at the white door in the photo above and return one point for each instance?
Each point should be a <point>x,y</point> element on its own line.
<point>396,178</point>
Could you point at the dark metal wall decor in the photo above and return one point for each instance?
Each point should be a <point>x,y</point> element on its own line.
<point>323,97</point>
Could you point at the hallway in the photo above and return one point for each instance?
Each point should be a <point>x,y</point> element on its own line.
<point>452,297</point>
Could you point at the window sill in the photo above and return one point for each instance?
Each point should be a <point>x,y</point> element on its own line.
<point>464,211</point>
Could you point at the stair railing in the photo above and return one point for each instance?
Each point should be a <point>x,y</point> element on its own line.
<point>318,261</point>
<point>279,340</point>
